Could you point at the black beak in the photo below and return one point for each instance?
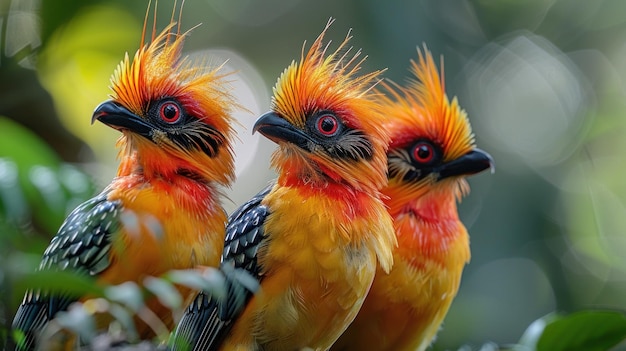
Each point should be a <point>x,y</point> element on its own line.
<point>278,129</point>
<point>118,117</point>
<point>472,162</point>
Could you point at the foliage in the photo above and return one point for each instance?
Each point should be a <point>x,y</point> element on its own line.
<point>592,330</point>
<point>556,203</point>
<point>588,330</point>
<point>126,301</point>
<point>37,190</point>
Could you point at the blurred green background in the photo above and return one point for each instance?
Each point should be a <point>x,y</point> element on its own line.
<point>542,81</point>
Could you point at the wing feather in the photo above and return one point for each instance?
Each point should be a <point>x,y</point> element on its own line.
<point>82,245</point>
<point>208,319</point>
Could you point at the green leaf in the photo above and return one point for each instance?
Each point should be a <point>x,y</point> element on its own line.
<point>13,205</point>
<point>585,330</point>
<point>65,282</point>
<point>78,319</point>
<point>24,147</point>
<point>19,338</point>
<point>36,189</point>
<point>165,291</point>
<point>208,280</point>
<point>241,276</point>
<point>129,294</point>
<point>125,318</point>
<point>533,333</point>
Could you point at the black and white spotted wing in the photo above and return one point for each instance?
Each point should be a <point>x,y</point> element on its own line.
<point>82,245</point>
<point>207,320</point>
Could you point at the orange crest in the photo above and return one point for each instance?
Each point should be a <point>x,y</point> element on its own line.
<point>324,81</point>
<point>159,70</point>
<point>328,82</point>
<point>422,109</point>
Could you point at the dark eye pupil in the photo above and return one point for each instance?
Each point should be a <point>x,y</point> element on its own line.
<point>328,124</point>
<point>423,152</point>
<point>169,111</point>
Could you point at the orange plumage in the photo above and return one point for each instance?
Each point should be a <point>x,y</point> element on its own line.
<point>163,209</point>
<point>314,238</point>
<point>431,152</point>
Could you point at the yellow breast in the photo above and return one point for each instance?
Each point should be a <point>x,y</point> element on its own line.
<point>405,308</point>
<point>318,264</point>
<point>163,227</point>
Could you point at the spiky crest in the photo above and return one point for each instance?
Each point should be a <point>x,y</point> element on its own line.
<point>330,81</point>
<point>159,70</point>
<point>423,109</point>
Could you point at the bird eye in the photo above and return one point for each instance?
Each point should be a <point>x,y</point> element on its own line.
<point>327,125</point>
<point>170,112</point>
<point>423,152</point>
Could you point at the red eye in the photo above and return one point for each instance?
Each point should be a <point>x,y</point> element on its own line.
<point>423,152</point>
<point>170,112</point>
<point>327,125</point>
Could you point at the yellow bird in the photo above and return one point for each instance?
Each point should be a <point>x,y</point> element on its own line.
<point>315,237</point>
<point>163,210</point>
<point>431,152</point>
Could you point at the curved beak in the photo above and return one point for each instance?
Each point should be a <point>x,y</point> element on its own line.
<point>278,129</point>
<point>472,162</point>
<point>118,117</point>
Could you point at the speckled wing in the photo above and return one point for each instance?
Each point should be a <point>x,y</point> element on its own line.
<point>82,245</point>
<point>207,320</point>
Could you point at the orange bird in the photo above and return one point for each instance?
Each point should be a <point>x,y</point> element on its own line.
<point>315,237</point>
<point>163,209</point>
<point>431,152</point>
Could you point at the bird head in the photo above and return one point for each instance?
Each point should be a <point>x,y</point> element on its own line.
<point>174,114</point>
<point>326,122</point>
<point>432,146</point>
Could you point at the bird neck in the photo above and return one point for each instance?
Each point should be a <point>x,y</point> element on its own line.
<point>155,168</point>
<point>429,200</point>
<point>430,224</point>
<point>336,191</point>
<point>434,206</point>
<point>151,163</point>
<point>294,169</point>
<point>185,191</point>
<point>314,184</point>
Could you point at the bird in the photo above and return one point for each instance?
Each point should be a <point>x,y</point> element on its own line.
<point>314,237</point>
<point>432,151</point>
<point>163,209</point>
